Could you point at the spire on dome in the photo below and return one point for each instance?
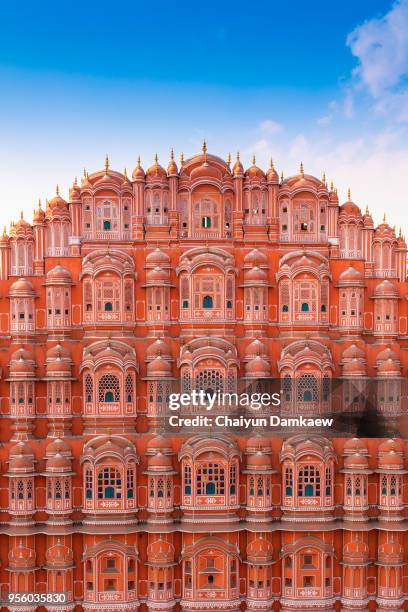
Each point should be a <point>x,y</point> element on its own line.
<point>281,176</point>
<point>385,218</point>
<point>324,178</point>
<point>301,169</point>
<point>106,164</point>
<point>182,158</point>
<point>349,194</point>
<point>57,189</point>
<point>204,147</point>
<point>229,159</point>
<point>253,160</point>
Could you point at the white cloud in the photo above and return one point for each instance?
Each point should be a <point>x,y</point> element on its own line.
<point>381,48</point>
<point>270,127</point>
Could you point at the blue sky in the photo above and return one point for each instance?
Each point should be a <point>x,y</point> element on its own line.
<point>321,82</point>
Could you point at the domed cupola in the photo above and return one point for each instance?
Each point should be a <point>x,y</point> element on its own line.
<point>138,173</point>
<point>156,172</point>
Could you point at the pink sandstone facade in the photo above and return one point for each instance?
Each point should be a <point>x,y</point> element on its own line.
<point>205,274</point>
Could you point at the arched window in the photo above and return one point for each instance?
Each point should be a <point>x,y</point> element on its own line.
<point>210,479</point>
<point>109,388</point>
<point>307,388</point>
<point>288,482</point>
<point>108,307</point>
<point>88,388</point>
<point>305,307</point>
<point>109,484</point>
<point>309,482</point>
<point>208,301</point>
<point>187,480</point>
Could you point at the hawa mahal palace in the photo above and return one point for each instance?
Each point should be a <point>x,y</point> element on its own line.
<point>201,274</point>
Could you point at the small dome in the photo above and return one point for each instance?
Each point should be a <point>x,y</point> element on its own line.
<point>351,276</point>
<point>138,172</point>
<point>172,169</point>
<point>156,171</point>
<point>157,275</point>
<point>271,175</point>
<point>159,367</point>
<point>58,463</point>
<point>391,461</point>
<point>386,289</point>
<point>158,444</point>
<point>160,462</point>
<point>394,445</point>
<point>158,258</point>
<point>355,445</point>
<point>58,447</point>
<point>388,367</point>
<point>59,274</point>
<point>59,555</point>
<point>257,368</point>
<point>254,172</point>
<point>160,551</point>
<point>357,549</point>
<point>259,550</point>
<point>238,168</point>
<point>386,354</point>
<point>255,258</point>
<point>257,444</point>
<point>255,275</point>
<point>39,215</point>
<point>22,362</point>
<point>57,203</point>
<point>255,348</point>
<point>58,352</point>
<point>258,461</point>
<point>353,352</point>
<point>158,347</point>
<point>356,462</point>
<point>22,556</point>
<point>22,286</point>
<point>349,208</point>
<point>21,458</point>
<point>391,551</point>
<point>354,367</point>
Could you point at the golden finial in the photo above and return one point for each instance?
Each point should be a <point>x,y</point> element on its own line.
<point>156,159</point>
<point>394,229</point>
<point>335,190</point>
<point>39,203</point>
<point>106,164</point>
<point>125,173</point>
<point>139,165</point>
<point>367,212</point>
<point>229,159</point>
<point>57,190</point>
<point>349,194</point>
<point>271,164</point>
<point>4,231</point>
<point>331,185</point>
<point>253,160</point>
<point>182,158</point>
<point>85,173</point>
<point>76,181</point>
<point>171,154</point>
<point>385,218</point>
<point>204,147</point>
<point>22,215</point>
<point>400,233</point>
<point>302,172</point>
<point>324,178</point>
<point>281,176</point>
